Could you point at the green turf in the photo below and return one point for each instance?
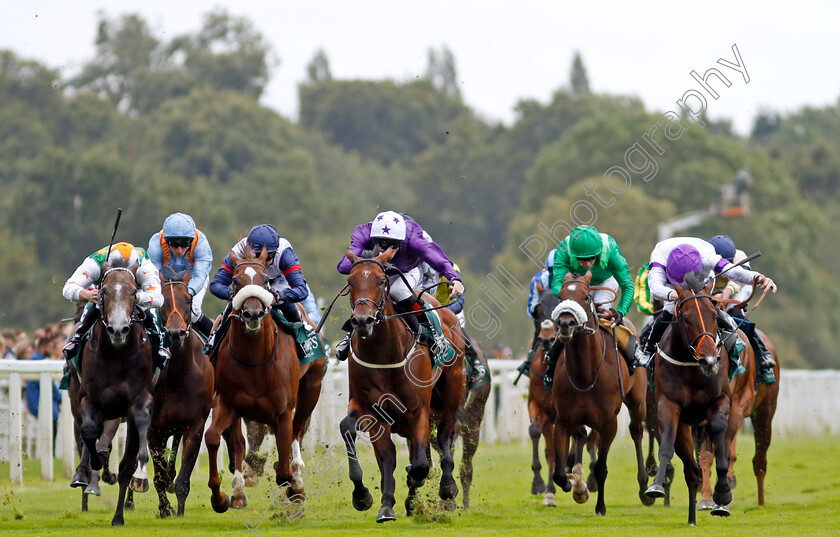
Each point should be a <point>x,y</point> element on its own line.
<point>803,498</point>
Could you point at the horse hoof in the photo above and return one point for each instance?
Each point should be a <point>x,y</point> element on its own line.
<point>386,514</point>
<point>537,487</point>
<point>223,506</point>
<point>109,477</point>
<point>448,492</point>
<point>655,491</point>
<point>79,482</point>
<point>720,510</point>
<point>592,483</point>
<point>252,481</point>
<point>166,512</point>
<point>647,501</point>
<point>171,488</point>
<point>733,481</point>
<point>448,505</point>
<point>93,489</point>
<point>548,500</point>
<point>722,498</point>
<point>581,496</point>
<point>139,485</point>
<point>363,502</point>
<point>705,505</point>
<point>239,503</point>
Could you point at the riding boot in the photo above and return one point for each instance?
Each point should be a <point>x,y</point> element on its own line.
<point>409,304</point>
<point>551,363</point>
<point>764,361</point>
<point>475,368</point>
<point>204,325</point>
<point>159,340</point>
<point>644,352</point>
<point>628,352</point>
<point>218,334</point>
<point>342,348</point>
<point>89,316</point>
<point>728,332</point>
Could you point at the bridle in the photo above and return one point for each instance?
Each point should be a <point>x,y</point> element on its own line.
<point>589,308</point>
<point>104,317</point>
<point>172,284</point>
<point>680,321</point>
<point>379,306</point>
<point>267,309</point>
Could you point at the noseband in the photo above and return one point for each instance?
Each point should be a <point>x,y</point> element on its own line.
<point>171,284</point>
<point>680,321</point>
<point>588,310</point>
<point>267,309</point>
<point>379,316</point>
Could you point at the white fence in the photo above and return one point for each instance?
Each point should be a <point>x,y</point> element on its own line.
<point>809,403</point>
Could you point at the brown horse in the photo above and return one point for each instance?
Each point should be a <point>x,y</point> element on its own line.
<point>183,395</point>
<point>691,389</point>
<point>116,377</point>
<point>757,403</point>
<point>590,384</point>
<point>256,378</point>
<point>391,377</point>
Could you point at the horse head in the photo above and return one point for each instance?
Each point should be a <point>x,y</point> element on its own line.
<point>547,334</point>
<point>697,319</point>
<point>575,311</point>
<point>177,305</point>
<point>252,297</point>
<point>117,299</point>
<point>368,290</point>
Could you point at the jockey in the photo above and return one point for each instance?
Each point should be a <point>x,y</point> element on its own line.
<point>148,296</point>
<point>539,283</point>
<point>284,273</point>
<point>725,247</point>
<point>182,247</point>
<point>670,261</point>
<point>585,249</point>
<point>392,230</point>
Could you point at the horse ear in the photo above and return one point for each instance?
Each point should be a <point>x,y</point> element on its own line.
<point>587,277</point>
<point>679,289</point>
<point>263,256</point>
<point>568,276</point>
<point>350,255</point>
<point>134,266</point>
<point>167,274</point>
<point>386,256</point>
<point>185,276</point>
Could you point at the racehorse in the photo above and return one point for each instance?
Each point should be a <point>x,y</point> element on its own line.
<point>183,395</point>
<point>582,395</point>
<point>391,376</point>
<point>691,388</point>
<point>116,376</point>
<point>256,378</point>
<point>758,401</point>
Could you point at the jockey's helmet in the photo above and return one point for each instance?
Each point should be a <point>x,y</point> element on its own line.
<point>549,261</point>
<point>263,236</point>
<point>122,251</point>
<point>724,246</point>
<point>388,227</point>
<point>585,242</point>
<point>682,260</point>
<point>179,226</point>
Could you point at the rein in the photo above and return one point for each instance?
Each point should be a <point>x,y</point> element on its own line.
<point>271,355</point>
<point>597,371</point>
<point>704,334</point>
<point>172,284</point>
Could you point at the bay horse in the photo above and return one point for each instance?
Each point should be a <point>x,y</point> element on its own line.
<point>758,401</point>
<point>116,376</point>
<point>691,388</point>
<point>183,395</point>
<point>591,382</point>
<point>256,378</point>
<point>391,377</point>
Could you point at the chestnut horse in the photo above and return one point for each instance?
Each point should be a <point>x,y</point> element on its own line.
<point>691,388</point>
<point>759,403</point>
<point>391,376</point>
<point>183,395</point>
<point>591,382</point>
<point>256,377</point>
<point>116,376</point>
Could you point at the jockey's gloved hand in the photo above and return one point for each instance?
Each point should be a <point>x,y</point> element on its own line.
<point>278,296</point>
<point>231,294</point>
<point>617,317</point>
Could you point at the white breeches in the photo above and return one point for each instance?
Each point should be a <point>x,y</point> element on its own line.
<point>198,299</point>
<point>399,290</point>
<point>602,298</point>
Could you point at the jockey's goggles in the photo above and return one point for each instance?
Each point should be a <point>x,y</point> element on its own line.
<point>384,244</point>
<point>178,242</point>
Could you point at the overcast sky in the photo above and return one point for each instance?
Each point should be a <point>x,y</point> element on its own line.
<point>504,51</point>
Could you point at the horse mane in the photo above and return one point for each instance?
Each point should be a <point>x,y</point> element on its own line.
<point>248,252</point>
<point>695,280</point>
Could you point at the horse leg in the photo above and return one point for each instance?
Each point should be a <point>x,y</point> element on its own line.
<point>723,432</point>
<point>157,447</point>
<point>668,417</point>
<point>254,460</point>
<point>548,434</point>
<point>684,447</point>
<point>704,459</point>
<point>170,463</point>
<point>221,421</point>
<point>236,445</point>
<point>636,403</point>
<point>448,489</point>
<point>142,414</point>
<point>362,500</point>
<point>591,443</point>
<point>283,468</point>
<point>470,431</point>
<point>386,458</point>
<point>535,431</point>
<point>127,465</point>
<point>192,444</point>
<point>82,476</point>
<point>103,446</point>
<point>420,459</point>
<point>90,430</point>
<point>561,452</point>
<point>605,438</point>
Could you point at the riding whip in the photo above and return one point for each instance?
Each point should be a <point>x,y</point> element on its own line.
<point>113,235</point>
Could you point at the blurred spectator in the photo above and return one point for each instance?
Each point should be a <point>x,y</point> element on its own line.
<point>22,350</point>
<point>8,343</point>
<point>43,346</point>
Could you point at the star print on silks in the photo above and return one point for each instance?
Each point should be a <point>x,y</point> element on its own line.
<point>386,230</point>
<point>396,220</point>
<point>380,218</point>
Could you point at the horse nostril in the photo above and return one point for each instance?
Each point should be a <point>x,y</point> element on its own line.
<point>369,320</point>
<point>109,330</point>
<point>354,322</point>
<point>124,331</point>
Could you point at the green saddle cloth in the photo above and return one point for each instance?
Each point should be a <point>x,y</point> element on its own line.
<point>440,348</point>
<point>304,336</point>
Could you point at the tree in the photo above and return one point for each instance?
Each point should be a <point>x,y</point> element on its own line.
<point>318,69</point>
<point>441,72</point>
<point>578,79</point>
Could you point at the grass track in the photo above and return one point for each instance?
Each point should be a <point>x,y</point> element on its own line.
<point>803,497</point>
